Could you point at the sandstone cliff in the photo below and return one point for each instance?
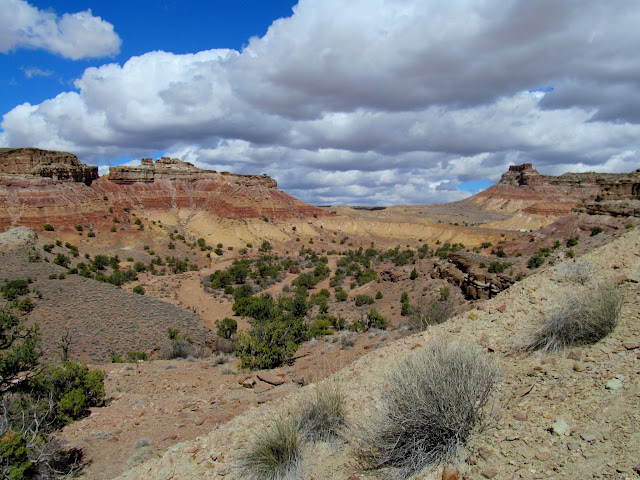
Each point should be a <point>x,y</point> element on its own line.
<point>523,190</point>
<point>17,165</point>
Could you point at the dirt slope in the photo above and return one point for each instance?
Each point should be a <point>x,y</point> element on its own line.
<point>539,390</point>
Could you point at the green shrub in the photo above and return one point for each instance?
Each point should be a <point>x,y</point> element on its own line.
<point>78,228</point>
<point>379,295</point>
<point>341,295</point>
<point>596,230</point>
<point>432,403</point>
<point>375,319</point>
<point>15,288</point>
<point>115,358</point>
<point>414,274</point>
<point>584,318</point>
<point>139,289</point>
<point>319,328</point>
<point>227,327</point>
<point>536,261</point>
<point>62,260</point>
<point>572,241</point>
<point>136,356</point>
<point>498,267</point>
<point>364,300</point>
<point>48,228</point>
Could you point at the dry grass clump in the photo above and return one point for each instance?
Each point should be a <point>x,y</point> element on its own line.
<point>579,273</point>
<point>433,403</point>
<point>583,319</point>
<point>276,452</point>
<point>322,414</point>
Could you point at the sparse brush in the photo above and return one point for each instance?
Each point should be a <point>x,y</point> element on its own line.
<point>275,453</point>
<point>583,319</point>
<point>578,273</point>
<point>322,414</point>
<point>431,311</point>
<point>433,402</point>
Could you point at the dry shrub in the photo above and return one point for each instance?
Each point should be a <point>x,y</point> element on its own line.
<point>584,318</point>
<point>434,402</point>
<point>431,311</point>
<point>322,414</point>
<point>275,453</point>
<point>579,273</point>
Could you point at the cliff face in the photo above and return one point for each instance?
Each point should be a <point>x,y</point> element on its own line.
<point>524,190</point>
<point>172,185</point>
<point>166,168</point>
<point>33,162</point>
<point>39,186</point>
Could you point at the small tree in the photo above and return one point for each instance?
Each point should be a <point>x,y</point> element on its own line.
<point>227,327</point>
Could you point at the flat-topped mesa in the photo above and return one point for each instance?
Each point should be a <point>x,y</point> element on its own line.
<point>609,186</point>
<point>166,168</point>
<point>34,162</point>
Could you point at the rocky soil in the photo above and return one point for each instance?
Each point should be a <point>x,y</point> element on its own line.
<point>568,415</point>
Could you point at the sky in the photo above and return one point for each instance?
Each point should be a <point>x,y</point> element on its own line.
<point>365,102</point>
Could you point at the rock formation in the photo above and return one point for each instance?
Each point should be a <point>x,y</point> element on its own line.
<point>523,190</point>
<point>33,162</point>
<point>40,186</point>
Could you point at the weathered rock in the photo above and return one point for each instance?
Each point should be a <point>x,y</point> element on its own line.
<point>450,474</point>
<point>616,383</point>
<point>560,427</point>
<point>33,162</point>
<point>271,378</point>
<point>489,472</point>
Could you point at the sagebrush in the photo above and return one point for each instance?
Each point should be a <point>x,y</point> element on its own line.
<point>431,405</point>
<point>584,318</point>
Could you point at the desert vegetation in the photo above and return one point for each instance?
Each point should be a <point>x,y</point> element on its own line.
<point>434,402</point>
<point>583,318</point>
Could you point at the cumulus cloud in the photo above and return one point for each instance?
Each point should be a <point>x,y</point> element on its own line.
<point>75,36</point>
<point>373,101</point>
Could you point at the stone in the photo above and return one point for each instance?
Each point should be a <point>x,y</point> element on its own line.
<point>450,474</point>
<point>588,437</point>
<point>573,446</point>
<point>271,378</point>
<point>521,416</point>
<point>489,472</point>
<point>578,367</point>
<point>560,427</point>
<point>543,455</point>
<point>522,391</point>
<point>631,345</point>
<point>249,382</point>
<point>502,308</point>
<point>616,383</point>
<point>262,387</point>
<point>575,355</point>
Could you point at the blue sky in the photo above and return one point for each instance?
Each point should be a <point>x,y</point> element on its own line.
<point>185,26</point>
<point>363,102</point>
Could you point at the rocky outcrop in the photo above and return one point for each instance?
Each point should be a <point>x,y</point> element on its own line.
<point>462,270</point>
<point>172,185</point>
<point>33,162</point>
<point>166,168</point>
<point>523,190</point>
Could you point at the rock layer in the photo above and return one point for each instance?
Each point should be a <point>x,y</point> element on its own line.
<point>58,166</point>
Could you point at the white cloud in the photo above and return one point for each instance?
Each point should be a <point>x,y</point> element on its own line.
<point>31,72</point>
<point>75,36</point>
<point>372,101</point>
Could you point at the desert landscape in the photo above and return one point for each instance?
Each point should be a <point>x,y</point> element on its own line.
<point>218,308</point>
